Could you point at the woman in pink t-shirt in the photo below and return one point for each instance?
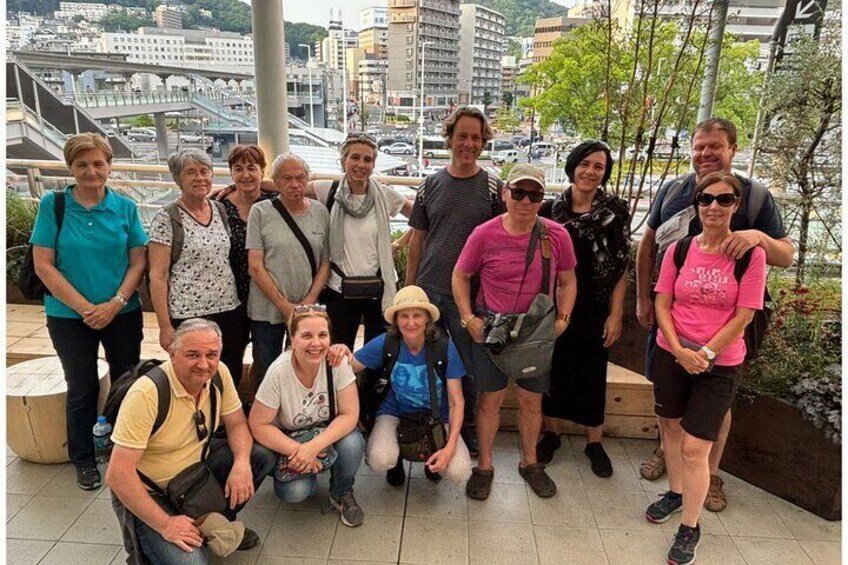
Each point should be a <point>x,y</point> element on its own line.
<point>702,312</point>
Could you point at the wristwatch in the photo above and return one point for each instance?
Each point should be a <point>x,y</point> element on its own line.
<point>464,323</point>
<point>708,352</point>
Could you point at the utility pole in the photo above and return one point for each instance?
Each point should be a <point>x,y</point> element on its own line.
<point>708,87</point>
<point>270,76</point>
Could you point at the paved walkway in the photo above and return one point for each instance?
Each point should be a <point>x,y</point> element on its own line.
<point>590,520</point>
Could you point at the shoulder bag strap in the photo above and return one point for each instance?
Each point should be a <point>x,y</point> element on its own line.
<point>528,260</point>
<point>331,196</point>
<point>331,391</point>
<point>545,242</point>
<point>298,234</point>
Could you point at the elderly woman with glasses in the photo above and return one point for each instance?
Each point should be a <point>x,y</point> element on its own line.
<point>287,256</point>
<point>92,263</point>
<point>360,241</point>
<point>190,274</point>
<point>307,412</point>
<point>702,307</point>
<point>599,226</point>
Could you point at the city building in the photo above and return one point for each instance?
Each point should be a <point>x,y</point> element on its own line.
<point>374,41</point>
<point>90,11</point>
<point>374,16</point>
<point>548,30</point>
<point>423,31</point>
<point>481,46</point>
<point>336,44</point>
<point>509,68</point>
<point>372,80</point>
<point>168,17</point>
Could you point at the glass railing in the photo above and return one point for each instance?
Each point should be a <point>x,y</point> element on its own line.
<point>116,98</point>
<point>19,112</point>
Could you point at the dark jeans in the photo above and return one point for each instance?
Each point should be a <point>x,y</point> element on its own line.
<point>345,316</point>
<point>76,345</point>
<point>235,331</point>
<point>267,346</point>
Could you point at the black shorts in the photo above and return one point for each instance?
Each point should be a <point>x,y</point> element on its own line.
<point>701,400</point>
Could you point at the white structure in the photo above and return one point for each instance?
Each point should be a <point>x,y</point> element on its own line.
<point>91,11</point>
<point>372,79</point>
<point>480,50</point>
<point>335,45</point>
<point>375,16</point>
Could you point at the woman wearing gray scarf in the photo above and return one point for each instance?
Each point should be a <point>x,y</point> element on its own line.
<point>360,241</point>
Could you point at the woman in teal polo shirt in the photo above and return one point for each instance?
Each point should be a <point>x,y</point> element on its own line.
<point>92,267</point>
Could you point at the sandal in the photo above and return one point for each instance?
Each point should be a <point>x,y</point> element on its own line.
<point>716,500</point>
<point>653,467</point>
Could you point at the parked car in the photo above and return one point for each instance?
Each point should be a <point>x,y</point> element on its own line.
<point>141,134</point>
<point>187,137</point>
<point>399,148</point>
<point>387,140</point>
<point>425,172</point>
<point>543,148</point>
<point>505,156</point>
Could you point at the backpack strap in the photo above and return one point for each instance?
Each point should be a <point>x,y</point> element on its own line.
<point>436,355</point>
<point>177,230</point>
<point>331,391</point>
<point>677,186</point>
<point>493,192</point>
<point>742,265</point>
<point>163,391</point>
<point>391,350</point>
<point>59,211</point>
<point>331,196</point>
<point>757,194</point>
<point>681,251</point>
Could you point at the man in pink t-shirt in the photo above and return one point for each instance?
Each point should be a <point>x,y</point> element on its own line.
<point>497,250</point>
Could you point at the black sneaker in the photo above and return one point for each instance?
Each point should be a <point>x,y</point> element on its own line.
<point>686,541</point>
<point>601,464</point>
<point>661,510</point>
<point>88,477</point>
<point>545,447</point>
<point>396,475</point>
<point>249,541</point>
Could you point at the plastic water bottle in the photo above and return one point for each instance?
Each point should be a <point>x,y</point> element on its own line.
<point>102,440</point>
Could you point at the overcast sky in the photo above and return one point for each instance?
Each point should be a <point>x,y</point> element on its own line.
<point>318,11</point>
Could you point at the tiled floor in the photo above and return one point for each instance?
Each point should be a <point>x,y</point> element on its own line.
<point>590,520</point>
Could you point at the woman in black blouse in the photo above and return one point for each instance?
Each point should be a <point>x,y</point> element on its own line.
<point>599,226</point>
<point>247,167</point>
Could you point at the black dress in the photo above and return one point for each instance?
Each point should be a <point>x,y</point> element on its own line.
<point>579,369</point>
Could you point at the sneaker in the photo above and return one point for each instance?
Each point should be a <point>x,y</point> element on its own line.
<point>539,481</point>
<point>249,541</point>
<point>661,510</point>
<point>350,511</point>
<point>479,484</point>
<point>601,464</point>
<point>88,477</point>
<point>435,477</point>
<point>716,500</point>
<point>545,447</point>
<point>396,475</point>
<point>686,541</point>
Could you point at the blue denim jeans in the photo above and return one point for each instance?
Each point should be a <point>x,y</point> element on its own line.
<point>351,449</point>
<point>157,549</point>
<point>450,322</point>
<point>267,346</point>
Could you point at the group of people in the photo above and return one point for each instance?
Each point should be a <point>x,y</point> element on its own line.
<point>308,261</point>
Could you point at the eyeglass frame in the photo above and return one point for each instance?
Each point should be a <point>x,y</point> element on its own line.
<point>513,192</point>
<point>710,198</point>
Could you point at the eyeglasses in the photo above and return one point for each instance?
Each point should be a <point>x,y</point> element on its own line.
<point>306,308</point>
<point>725,199</point>
<point>518,194</point>
<point>200,425</point>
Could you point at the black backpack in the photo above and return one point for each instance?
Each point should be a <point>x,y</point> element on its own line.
<point>151,369</point>
<point>755,331</point>
<point>375,383</point>
<point>31,286</point>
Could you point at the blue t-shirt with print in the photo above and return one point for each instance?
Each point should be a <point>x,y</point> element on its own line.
<point>410,390</point>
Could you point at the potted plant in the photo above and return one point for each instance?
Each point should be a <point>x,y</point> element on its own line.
<point>20,220</point>
<point>786,435</point>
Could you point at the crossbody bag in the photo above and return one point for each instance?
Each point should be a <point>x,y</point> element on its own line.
<point>421,434</point>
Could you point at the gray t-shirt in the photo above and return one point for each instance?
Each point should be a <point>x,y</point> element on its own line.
<point>285,258</point>
<point>448,209</point>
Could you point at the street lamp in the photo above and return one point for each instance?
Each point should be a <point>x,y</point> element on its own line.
<point>424,45</point>
<point>309,53</point>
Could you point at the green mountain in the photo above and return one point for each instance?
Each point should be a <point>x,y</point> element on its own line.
<point>521,15</point>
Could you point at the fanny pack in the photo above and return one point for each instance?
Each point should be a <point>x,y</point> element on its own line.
<point>420,435</point>
<point>282,472</point>
<point>360,288</point>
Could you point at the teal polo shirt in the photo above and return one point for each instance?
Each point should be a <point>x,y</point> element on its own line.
<point>92,251</point>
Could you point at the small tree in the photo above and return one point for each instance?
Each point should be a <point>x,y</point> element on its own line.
<point>487,99</point>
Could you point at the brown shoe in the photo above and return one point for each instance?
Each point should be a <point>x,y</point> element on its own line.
<point>538,479</point>
<point>653,467</point>
<point>479,484</point>
<point>716,500</point>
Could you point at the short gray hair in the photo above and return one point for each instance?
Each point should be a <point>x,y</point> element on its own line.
<point>194,325</point>
<point>282,158</point>
<point>179,159</point>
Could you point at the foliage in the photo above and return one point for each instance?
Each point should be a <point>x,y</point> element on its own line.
<point>487,99</point>
<point>521,15</point>
<point>820,402</point>
<point>38,7</point>
<point>121,20</point>
<point>508,99</point>
<point>801,142</point>
<point>308,34</point>
<point>514,49</point>
<point>194,19</point>
<point>142,121</point>
<point>507,167</point>
<point>506,120</point>
<point>20,219</point>
<point>802,343</point>
<point>401,256</point>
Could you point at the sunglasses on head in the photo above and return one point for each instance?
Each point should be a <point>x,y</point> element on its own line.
<point>725,199</point>
<point>518,195</point>
<point>306,308</point>
<point>200,425</point>
<point>361,136</point>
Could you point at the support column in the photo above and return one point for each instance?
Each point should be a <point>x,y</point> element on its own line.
<point>270,76</point>
<point>708,87</point>
<point>161,135</point>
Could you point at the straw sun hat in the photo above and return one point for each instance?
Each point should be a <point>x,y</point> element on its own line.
<point>410,297</point>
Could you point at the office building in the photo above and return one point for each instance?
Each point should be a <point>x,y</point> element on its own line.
<point>481,46</point>
<point>168,17</point>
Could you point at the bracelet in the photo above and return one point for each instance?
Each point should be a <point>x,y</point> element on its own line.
<point>120,299</point>
<point>564,317</point>
<point>464,323</point>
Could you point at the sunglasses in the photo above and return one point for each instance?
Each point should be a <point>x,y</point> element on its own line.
<point>518,195</point>
<point>306,308</point>
<point>725,199</point>
<point>361,137</point>
<point>200,425</point>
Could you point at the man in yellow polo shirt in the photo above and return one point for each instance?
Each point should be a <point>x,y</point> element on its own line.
<point>150,524</point>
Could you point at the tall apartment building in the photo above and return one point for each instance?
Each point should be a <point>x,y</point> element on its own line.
<point>374,32</point>
<point>372,80</point>
<point>168,17</point>
<point>91,11</point>
<point>374,16</point>
<point>335,45</point>
<point>548,30</point>
<point>481,46</point>
<point>509,72</point>
<point>425,30</point>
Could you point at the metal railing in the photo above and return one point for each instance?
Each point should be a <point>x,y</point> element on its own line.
<point>116,98</point>
<point>17,111</point>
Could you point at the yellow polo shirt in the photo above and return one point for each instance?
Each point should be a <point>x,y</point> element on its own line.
<point>175,445</point>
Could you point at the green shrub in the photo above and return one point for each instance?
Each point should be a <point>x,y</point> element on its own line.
<point>401,257</point>
<point>20,219</point>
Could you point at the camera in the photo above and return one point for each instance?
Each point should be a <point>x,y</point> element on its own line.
<point>497,330</point>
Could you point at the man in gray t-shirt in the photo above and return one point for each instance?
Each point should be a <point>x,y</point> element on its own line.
<point>448,206</point>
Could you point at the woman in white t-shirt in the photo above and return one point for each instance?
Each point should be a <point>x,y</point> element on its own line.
<point>360,240</point>
<point>297,415</point>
